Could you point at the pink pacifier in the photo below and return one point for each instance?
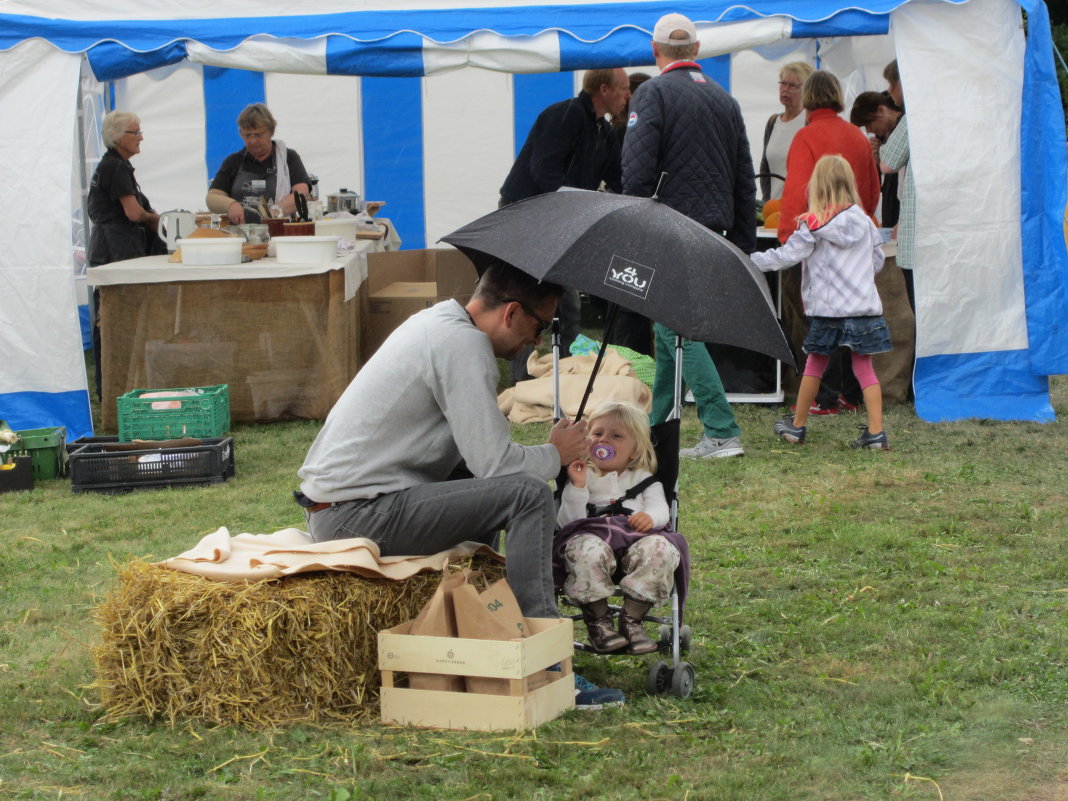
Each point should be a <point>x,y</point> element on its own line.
<point>603,452</point>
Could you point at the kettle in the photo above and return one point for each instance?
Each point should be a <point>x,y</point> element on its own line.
<point>175,225</point>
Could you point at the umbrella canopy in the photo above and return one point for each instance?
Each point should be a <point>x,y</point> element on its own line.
<point>639,254</point>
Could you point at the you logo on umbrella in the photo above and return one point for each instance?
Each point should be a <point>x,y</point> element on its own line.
<point>629,276</point>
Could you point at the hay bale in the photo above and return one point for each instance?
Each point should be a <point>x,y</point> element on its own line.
<point>299,649</point>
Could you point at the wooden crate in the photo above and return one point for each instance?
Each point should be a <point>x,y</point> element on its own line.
<point>550,643</point>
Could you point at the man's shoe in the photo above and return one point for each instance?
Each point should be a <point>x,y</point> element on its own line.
<point>786,429</point>
<point>712,448</point>
<point>875,442</point>
<point>589,696</point>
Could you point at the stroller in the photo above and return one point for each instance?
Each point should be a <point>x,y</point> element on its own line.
<point>678,677</point>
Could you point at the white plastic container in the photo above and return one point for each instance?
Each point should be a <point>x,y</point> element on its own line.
<point>345,228</point>
<point>211,250</point>
<point>305,249</point>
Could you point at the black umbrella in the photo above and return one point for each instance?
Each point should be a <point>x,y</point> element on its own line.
<point>637,253</point>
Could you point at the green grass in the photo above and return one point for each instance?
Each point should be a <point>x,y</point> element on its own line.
<point>866,626</point>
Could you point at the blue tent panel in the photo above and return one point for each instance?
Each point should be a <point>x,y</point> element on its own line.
<point>226,93</point>
<point>400,55</point>
<point>393,152</point>
<point>998,385</point>
<point>24,410</point>
<point>111,61</point>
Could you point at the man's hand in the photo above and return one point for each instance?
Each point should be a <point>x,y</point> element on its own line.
<point>569,438</point>
<point>576,473</point>
<point>640,522</point>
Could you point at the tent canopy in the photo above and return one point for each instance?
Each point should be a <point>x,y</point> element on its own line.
<point>991,266</point>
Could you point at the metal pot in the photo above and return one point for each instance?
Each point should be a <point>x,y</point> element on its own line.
<point>343,200</point>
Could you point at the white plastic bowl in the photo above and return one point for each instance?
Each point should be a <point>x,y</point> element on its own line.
<point>212,250</point>
<point>305,249</point>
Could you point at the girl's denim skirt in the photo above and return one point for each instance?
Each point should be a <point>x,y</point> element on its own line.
<point>865,335</point>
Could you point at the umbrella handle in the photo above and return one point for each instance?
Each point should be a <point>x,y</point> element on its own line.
<point>613,308</point>
<point>556,369</point>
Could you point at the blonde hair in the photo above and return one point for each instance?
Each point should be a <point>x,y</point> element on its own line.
<point>636,423</point>
<point>800,70</point>
<point>831,188</point>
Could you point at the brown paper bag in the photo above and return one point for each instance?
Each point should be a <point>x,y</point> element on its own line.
<point>437,619</point>
<point>492,614</point>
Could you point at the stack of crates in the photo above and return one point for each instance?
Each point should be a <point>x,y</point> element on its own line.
<point>118,464</point>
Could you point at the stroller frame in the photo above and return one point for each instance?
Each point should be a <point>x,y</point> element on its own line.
<point>678,677</point>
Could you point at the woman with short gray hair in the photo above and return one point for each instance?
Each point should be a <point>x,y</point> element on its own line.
<point>123,221</point>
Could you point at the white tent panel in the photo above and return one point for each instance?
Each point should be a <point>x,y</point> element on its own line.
<point>319,117</point>
<point>42,357</point>
<point>468,142</point>
<point>527,54</point>
<point>170,103</point>
<point>271,54</point>
<point>969,283</point>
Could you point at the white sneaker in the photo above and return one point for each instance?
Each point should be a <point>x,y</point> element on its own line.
<point>712,448</point>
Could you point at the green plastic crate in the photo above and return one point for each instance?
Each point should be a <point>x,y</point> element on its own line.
<point>46,447</point>
<point>205,414</point>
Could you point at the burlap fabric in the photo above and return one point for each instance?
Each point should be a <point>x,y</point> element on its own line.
<point>287,347</point>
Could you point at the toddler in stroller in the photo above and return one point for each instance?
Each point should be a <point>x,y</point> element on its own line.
<point>614,519</point>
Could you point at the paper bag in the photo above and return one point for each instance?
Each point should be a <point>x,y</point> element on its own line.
<point>492,614</point>
<point>436,619</point>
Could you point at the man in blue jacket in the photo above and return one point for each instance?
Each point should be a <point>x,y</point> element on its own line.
<point>570,144</point>
<point>684,124</point>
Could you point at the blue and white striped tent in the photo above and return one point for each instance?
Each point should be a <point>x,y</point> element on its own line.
<point>423,104</point>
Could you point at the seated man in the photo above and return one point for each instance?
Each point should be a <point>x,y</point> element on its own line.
<point>423,409</point>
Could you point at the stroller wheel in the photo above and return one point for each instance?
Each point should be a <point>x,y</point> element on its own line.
<point>684,638</point>
<point>665,637</point>
<point>682,680</point>
<point>659,681</point>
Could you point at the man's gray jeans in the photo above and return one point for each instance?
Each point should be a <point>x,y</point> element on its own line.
<point>430,518</point>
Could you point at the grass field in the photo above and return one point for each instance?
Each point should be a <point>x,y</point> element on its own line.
<point>866,626</point>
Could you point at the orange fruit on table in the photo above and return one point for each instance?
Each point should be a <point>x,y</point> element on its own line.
<point>772,220</point>
<point>772,206</point>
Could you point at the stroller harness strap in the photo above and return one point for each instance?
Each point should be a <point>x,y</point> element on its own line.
<point>616,507</point>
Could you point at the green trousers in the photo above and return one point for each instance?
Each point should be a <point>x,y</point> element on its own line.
<point>700,375</point>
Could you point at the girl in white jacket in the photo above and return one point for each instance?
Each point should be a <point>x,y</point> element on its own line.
<point>840,251</point>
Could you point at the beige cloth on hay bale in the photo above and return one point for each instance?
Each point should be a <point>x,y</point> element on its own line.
<point>532,401</point>
<point>245,557</point>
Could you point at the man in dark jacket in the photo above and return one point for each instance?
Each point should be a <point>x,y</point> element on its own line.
<point>570,144</point>
<point>682,123</point>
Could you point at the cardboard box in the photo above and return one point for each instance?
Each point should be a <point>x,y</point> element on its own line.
<point>400,283</point>
<point>525,707</point>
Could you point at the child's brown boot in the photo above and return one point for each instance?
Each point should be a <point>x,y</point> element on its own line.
<point>603,637</point>
<point>630,626</point>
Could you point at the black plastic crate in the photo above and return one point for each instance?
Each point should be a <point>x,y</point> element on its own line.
<point>93,468</point>
<point>19,476</point>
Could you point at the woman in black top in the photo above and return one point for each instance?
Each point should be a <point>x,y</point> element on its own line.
<point>124,222</point>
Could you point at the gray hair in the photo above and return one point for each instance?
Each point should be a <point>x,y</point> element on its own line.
<point>679,52</point>
<point>115,124</point>
<point>256,116</point>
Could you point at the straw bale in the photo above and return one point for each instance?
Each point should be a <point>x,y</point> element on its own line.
<point>299,649</point>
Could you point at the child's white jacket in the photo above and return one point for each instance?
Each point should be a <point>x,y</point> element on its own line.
<point>841,258</point>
